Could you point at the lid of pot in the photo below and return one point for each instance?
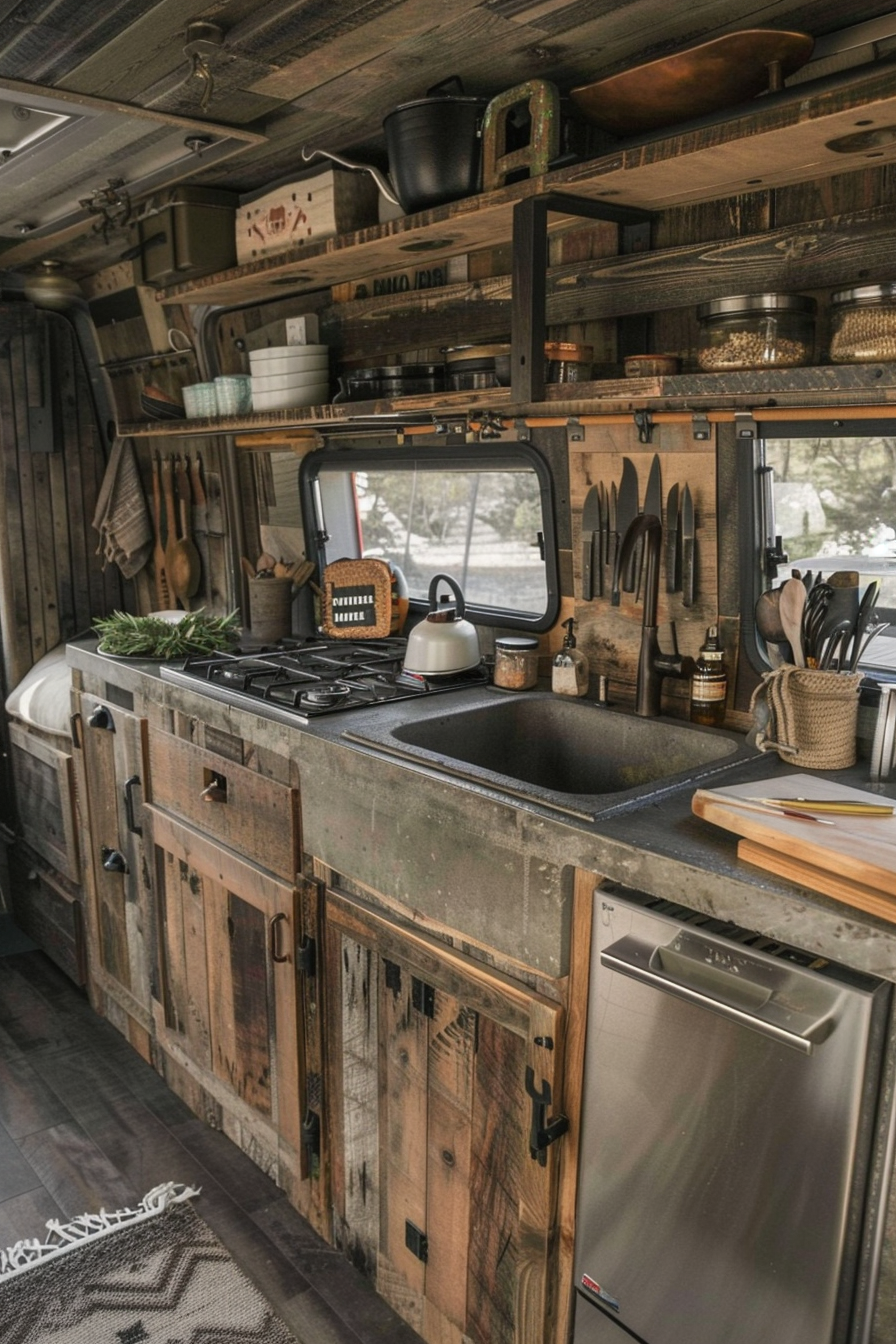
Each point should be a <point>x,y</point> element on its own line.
<point>865,294</point>
<point>569,351</point>
<point>753,303</point>
<point>454,353</point>
<point>396,371</point>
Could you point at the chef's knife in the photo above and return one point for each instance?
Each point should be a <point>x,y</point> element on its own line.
<point>688,548</point>
<point>626,513</point>
<point>590,525</point>
<point>613,541</point>
<point>603,535</point>
<point>653,504</point>
<point>671,540</point>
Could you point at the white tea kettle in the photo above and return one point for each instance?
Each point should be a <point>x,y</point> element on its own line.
<point>443,641</point>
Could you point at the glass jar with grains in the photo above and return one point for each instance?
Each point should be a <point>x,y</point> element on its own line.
<point>516,662</point>
<point>756,331</point>
<point>863,324</point>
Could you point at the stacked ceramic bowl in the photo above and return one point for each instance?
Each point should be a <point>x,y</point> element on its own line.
<point>287,376</point>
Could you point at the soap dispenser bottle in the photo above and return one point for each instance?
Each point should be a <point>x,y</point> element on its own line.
<point>569,671</point>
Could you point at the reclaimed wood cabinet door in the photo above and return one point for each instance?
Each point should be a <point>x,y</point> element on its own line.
<point>109,746</point>
<point>230,1000</point>
<point>440,1076</point>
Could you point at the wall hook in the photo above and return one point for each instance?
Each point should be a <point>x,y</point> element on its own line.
<point>203,40</point>
<point>644,422</point>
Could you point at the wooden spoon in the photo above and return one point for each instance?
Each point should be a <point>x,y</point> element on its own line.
<point>191,559</point>
<point>163,596</point>
<point>768,622</point>
<point>790,608</point>
<point>178,561</point>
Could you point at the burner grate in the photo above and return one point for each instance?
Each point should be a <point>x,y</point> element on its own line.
<point>300,679</point>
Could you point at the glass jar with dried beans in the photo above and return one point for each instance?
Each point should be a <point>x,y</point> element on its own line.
<point>863,324</point>
<point>756,331</point>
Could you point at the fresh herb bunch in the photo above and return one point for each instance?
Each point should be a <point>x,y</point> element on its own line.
<point>130,636</point>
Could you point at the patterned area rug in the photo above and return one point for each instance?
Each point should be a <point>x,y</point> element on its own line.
<point>164,1280</point>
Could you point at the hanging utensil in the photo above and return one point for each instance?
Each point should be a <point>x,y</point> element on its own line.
<point>687,524</point>
<point>590,525</point>
<point>163,593</point>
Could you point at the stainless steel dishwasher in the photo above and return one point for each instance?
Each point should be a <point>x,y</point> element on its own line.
<point>728,1114</point>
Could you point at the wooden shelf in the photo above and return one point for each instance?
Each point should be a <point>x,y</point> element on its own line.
<point>777,141</point>
<point>835,387</point>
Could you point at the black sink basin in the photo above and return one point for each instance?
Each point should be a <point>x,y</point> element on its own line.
<point>571,754</point>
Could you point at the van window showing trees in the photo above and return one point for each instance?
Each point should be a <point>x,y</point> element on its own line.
<point>481,513</point>
<point>835,505</point>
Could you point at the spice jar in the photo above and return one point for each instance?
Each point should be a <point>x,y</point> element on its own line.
<point>756,331</point>
<point>863,324</point>
<point>516,662</point>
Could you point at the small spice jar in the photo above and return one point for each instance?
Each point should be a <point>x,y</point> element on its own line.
<point>516,662</point>
<point>756,331</point>
<point>863,324</point>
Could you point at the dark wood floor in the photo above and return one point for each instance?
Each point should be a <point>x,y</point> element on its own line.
<point>85,1123</point>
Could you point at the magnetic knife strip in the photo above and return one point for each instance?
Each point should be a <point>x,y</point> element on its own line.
<point>607,514</point>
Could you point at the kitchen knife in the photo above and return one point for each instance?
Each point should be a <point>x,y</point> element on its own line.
<point>603,536</point>
<point>613,541</point>
<point>688,548</point>
<point>626,513</point>
<point>590,525</point>
<point>671,540</point>
<point>653,504</point>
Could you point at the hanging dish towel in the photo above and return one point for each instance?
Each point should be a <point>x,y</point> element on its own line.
<point>121,517</point>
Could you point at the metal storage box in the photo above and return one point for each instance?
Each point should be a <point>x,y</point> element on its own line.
<point>317,204</point>
<point>181,233</point>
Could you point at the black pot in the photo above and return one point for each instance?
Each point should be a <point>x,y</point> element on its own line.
<point>434,148</point>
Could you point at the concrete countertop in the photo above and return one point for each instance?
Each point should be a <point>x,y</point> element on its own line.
<point>465,856</point>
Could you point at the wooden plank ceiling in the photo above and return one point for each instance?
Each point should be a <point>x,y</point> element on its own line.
<point>328,71</point>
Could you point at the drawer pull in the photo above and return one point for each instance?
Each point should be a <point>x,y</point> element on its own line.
<point>129,786</point>
<point>275,940</point>
<point>113,860</point>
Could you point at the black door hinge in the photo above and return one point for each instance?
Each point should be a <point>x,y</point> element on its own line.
<point>543,1132</point>
<point>416,1241</point>
<point>306,956</point>
<point>423,997</point>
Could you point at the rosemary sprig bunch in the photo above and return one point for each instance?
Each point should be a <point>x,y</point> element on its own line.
<point>127,636</point>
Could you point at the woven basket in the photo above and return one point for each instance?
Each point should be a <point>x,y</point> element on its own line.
<point>811,716</point>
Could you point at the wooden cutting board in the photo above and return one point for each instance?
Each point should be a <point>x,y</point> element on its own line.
<point>853,860</point>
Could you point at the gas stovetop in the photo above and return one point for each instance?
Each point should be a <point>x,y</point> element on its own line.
<point>297,680</point>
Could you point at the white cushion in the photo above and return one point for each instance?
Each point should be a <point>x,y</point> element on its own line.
<point>43,696</point>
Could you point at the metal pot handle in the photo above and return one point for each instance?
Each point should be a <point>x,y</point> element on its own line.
<point>455,588</point>
<point>385,186</point>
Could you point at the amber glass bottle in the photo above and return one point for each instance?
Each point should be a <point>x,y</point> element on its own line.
<point>709,683</point>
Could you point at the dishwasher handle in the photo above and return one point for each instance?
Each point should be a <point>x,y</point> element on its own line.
<point>757,1008</point>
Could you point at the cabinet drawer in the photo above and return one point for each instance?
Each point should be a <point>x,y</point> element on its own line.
<point>255,816</point>
<point>48,909</point>
<point>45,797</point>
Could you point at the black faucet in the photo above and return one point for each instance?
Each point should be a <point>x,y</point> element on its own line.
<point>653,664</point>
